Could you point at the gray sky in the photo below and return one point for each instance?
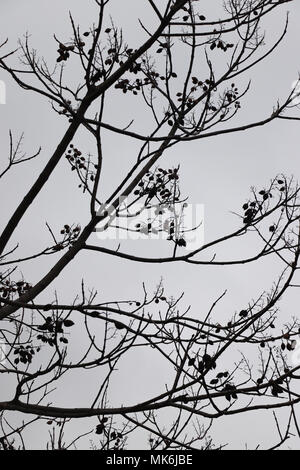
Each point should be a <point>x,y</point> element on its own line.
<point>216,172</point>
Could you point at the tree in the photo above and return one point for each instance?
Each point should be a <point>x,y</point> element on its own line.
<point>193,103</point>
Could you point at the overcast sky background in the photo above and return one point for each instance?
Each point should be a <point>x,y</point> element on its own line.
<point>216,172</point>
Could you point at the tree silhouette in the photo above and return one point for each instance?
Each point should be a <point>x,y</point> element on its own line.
<point>186,104</point>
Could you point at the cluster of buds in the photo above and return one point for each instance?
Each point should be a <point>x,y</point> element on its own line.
<point>70,236</point>
<point>230,390</point>
<point>9,288</point>
<point>115,56</point>
<point>276,389</point>
<point>161,189</point>
<point>196,85</point>
<point>84,167</point>
<point>289,343</point>
<point>64,52</point>
<point>135,67</point>
<point>70,233</point>
<point>152,79</point>
<point>202,84</point>
<point>207,363</point>
<point>100,428</point>
<point>66,109</point>
<point>219,44</point>
<point>52,328</point>
<point>251,208</point>
<point>156,185</point>
<point>231,96</point>
<point>74,156</point>
<point>250,211</point>
<point>117,437</point>
<point>219,377</point>
<point>25,354</point>
<point>174,233</point>
<point>125,85</point>
<point>187,17</point>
